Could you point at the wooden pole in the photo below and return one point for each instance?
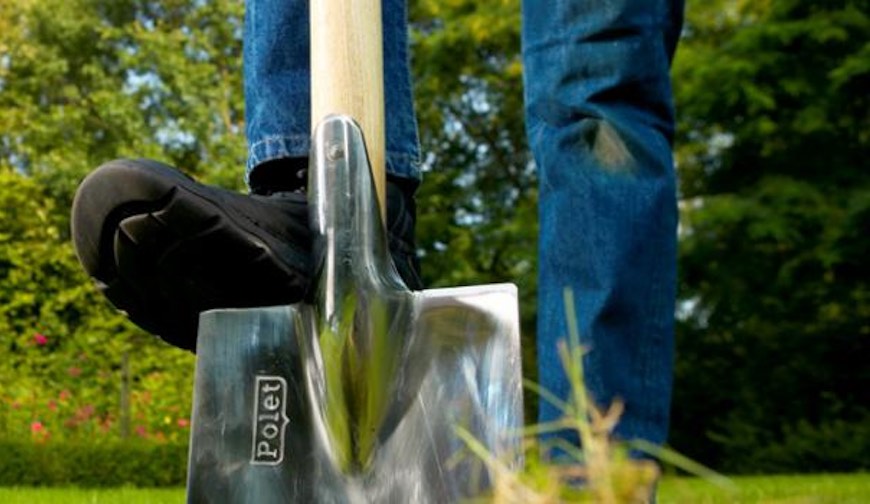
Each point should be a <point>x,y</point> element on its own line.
<point>347,73</point>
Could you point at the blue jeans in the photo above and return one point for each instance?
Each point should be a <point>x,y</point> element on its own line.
<point>278,84</point>
<point>600,124</point>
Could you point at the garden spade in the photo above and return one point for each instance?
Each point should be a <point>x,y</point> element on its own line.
<point>365,392</point>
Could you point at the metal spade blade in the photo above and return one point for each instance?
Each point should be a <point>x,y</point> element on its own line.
<point>357,396</point>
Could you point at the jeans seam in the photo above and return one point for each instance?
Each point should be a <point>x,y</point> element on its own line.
<point>281,146</point>
<point>277,146</point>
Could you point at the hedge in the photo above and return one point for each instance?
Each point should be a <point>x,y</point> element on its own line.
<point>102,464</point>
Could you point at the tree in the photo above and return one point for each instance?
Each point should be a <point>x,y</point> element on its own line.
<point>82,82</point>
<point>772,142</point>
<point>478,203</point>
<point>85,81</point>
<point>772,153</point>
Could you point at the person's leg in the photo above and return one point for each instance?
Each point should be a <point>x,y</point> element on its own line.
<point>278,112</point>
<point>163,248</point>
<point>600,124</point>
<point>277,93</point>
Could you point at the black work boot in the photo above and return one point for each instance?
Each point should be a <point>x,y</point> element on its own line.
<point>164,248</point>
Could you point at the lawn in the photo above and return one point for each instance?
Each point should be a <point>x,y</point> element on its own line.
<point>91,496</point>
<point>813,489</point>
<point>804,489</point>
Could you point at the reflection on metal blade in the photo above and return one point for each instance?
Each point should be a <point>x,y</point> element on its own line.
<point>355,397</point>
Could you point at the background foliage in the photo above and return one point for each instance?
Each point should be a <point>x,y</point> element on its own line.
<point>774,136</point>
<point>110,464</point>
<point>774,125</point>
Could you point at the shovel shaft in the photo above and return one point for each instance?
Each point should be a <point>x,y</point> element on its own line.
<point>347,75</point>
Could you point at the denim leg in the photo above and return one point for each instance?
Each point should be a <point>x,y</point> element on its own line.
<point>278,84</point>
<point>600,123</point>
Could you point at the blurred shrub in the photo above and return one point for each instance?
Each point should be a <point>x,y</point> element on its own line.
<point>104,464</point>
<point>802,447</point>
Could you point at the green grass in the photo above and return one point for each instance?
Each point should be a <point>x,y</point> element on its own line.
<point>812,489</point>
<point>803,489</point>
<point>91,496</point>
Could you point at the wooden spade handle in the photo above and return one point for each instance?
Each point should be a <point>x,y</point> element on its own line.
<point>347,72</point>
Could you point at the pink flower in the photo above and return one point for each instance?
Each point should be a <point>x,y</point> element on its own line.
<point>39,432</point>
<point>183,422</point>
<point>40,339</point>
<point>64,395</point>
<point>52,405</point>
<point>75,372</point>
<point>141,431</point>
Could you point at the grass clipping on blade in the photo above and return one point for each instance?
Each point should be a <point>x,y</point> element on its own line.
<point>599,471</point>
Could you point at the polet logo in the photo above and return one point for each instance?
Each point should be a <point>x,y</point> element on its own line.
<point>270,420</point>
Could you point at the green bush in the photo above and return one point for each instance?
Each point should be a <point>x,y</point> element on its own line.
<point>104,464</point>
<point>802,447</point>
